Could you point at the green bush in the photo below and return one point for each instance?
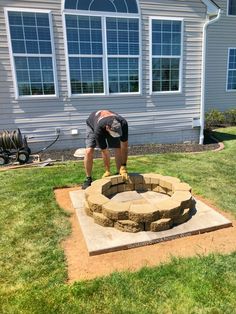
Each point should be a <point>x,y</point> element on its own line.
<point>230,117</point>
<point>214,118</point>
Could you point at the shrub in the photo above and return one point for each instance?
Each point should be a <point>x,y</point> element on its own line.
<point>214,118</point>
<point>230,117</point>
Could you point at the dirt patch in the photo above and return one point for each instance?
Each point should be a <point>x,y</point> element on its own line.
<point>81,266</point>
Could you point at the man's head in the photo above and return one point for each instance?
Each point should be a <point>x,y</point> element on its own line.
<point>114,129</point>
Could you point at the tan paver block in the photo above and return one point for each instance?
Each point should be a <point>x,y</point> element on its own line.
<point>167,182</point>
<point>182,187</point>
<point>112,190</point>
<point>169,208</point>
<point>140,187</point>
<point>161,225</point>
<point>184,217</point>
<point>87,209</point>
<point>160,189</point>
<point>101,182</point>
<point>102,220</point>
<point>184,197</point>
<point>91,190</point>
<point>128,226</point>
<point>129,187</point>
<point>146,178</point>
<point>116,210</point>
<point>120,188</point>
<point>116,179</point>
<point>96,201</point>
<point>155,178</point>
<point>143,213</point>
<point>135,178</point>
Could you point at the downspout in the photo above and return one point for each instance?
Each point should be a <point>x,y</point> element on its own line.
<point>203,79</point>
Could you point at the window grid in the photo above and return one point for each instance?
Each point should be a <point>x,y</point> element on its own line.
<point>166,55</point>
<point>31,46</point>
<point>86,79</point>
<point>232,7</point>
<point>123,55</point>
<point>121,6</point>
<point>231,84</point>
<point>85,52</point>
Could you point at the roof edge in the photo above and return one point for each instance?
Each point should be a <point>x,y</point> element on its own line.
<point>212,7</point>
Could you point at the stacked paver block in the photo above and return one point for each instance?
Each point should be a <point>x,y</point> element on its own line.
<point>135,216</point>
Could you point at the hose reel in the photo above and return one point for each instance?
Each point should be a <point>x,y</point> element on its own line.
<point>13,145</point>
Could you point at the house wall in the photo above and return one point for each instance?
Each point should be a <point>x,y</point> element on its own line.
<point>220,37</point>
<point>152,118</point>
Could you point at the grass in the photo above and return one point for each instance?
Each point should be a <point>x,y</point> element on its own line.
<point>32,264</point>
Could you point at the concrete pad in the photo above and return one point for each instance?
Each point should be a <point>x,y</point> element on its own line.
<point>101,240</point>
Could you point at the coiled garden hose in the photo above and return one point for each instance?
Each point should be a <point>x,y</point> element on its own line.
<point>11,140</point>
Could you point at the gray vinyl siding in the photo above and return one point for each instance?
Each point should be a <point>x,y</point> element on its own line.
<point>151,118</point>
<point>220,36</point>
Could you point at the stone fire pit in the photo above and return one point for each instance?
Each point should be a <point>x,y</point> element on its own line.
<point>139,214</point>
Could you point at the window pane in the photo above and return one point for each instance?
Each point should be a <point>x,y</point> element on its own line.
<point>15,18</point>
<point>232,7</point>
<point>231,85</point>
<point>166,38</point>
<point>122,36</point>
<point>123,75</point>
<point>16,32</point>
<point>18,46</point>
<point>32,46</point>
<point>43,33</point>
<point>30,32</point>
<point>166,41</point>
<point>27,37</point>
<point>33,71</point>
<point>122,6</point>
<point>29,19</point>
<point>86,75</point>
<point>42,19</point>
<point>84,35</point>
<point>165,74</point>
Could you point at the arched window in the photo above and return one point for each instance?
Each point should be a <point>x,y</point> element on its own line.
<point>119,6</point>
<point>103,50</point>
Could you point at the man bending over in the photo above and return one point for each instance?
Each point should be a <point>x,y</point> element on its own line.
<point>106,129</point>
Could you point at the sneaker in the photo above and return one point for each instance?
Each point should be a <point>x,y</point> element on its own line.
<point>86,183</point>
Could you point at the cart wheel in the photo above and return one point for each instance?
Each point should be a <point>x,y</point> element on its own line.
<point>22,156</point>
<point>3,159</point>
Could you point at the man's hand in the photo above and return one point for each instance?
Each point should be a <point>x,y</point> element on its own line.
<point>106,174</point>
<point>124,173</point>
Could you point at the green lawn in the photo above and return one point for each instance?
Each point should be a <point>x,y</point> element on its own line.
<point>32,263</point>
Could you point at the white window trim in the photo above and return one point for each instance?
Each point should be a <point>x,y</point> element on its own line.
<point>103,16</point>
<point>230,15</point>
<point>151,18</point>
<point>227,73</point>
<point>52,55</point>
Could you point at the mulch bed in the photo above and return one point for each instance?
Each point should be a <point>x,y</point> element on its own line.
<point>68,154</point>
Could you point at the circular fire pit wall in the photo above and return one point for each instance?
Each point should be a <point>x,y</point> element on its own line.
<point>135,216</point>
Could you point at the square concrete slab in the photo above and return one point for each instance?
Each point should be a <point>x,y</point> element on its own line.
<point>101,240</point>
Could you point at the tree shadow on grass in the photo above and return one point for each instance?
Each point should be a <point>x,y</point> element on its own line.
<point>224,136</point>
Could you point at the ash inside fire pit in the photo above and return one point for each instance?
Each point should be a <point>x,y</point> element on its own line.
<point>145,202</point>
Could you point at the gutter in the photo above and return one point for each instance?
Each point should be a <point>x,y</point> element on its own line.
<point>214,13</point>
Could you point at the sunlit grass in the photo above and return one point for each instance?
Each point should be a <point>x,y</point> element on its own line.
<point>32,264</point>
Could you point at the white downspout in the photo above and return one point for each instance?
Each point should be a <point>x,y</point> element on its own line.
<point>203,80</point>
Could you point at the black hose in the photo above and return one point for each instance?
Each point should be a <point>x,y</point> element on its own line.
<point>45,148</point>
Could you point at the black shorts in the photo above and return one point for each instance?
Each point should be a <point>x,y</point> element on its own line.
<point>112,142</point>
